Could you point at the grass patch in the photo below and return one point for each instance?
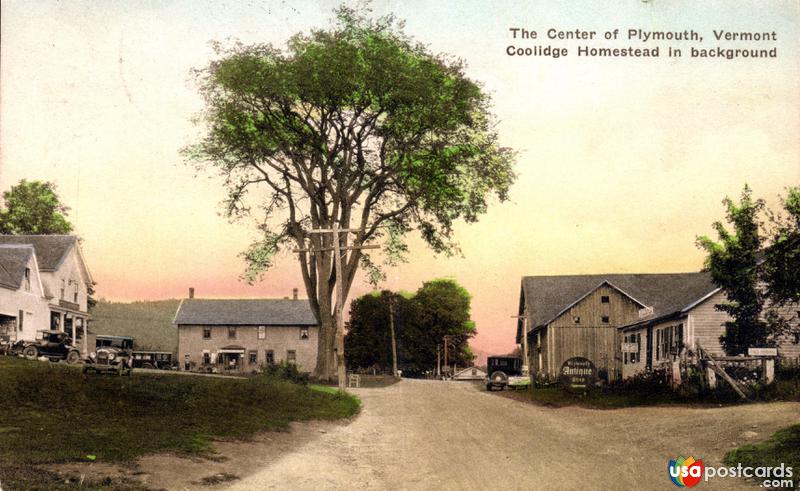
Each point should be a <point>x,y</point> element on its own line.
<point>53,413</point>
<point>782,448</point>
<point>651,390</point>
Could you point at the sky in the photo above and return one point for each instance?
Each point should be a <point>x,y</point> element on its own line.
<point>622,162</point>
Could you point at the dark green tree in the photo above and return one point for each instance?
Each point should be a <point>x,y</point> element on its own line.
<point>358,126</point>
<point>442,309</point>
<point>781,268</point>
<point>439,308</point>
<point>33,208</point>
<point>368,342</point>
<point>733,263</point>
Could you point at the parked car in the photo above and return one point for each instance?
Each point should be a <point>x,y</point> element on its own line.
<point>500,368</point>
<point>112,354</point>
<point>55,345</point>
<point>161,360</point>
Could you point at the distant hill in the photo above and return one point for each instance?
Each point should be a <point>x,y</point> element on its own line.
<point>149,322</point>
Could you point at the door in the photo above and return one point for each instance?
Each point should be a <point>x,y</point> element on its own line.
<point>649,345</point>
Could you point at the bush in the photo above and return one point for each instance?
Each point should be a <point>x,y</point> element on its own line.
<point>287,371</point>
<point>650,382</point>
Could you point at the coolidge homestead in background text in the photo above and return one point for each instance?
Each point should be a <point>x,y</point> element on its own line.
<point>644,36</point>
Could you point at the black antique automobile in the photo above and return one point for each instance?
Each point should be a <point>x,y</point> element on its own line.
<point>500,368</point>
<point>112,354</point>
<point>161,360</point>
<point>55,345</point>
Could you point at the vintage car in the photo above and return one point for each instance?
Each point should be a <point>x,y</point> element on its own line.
<point>161,360</point>
<point>500,368</point>
<point>55,345</point>
<point>112,354</point>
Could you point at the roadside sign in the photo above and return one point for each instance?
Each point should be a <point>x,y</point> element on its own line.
<point>630,348</point>
<point>577,374</point>
<point>762,351</point>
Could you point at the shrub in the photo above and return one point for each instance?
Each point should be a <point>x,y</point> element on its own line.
<point>650,382</point>
<point>286,371</point>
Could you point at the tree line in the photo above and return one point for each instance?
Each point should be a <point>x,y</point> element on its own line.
<point>438,310</point>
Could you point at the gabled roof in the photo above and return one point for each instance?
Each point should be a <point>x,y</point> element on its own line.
<point>548,296</point>
<point>50,249</point>
<point>245,312</point>
<point>13,261</point>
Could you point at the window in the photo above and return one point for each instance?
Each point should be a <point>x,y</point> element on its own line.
<point>231,333</point>
<point>605,299</point>
<point>304,333</point>
<point>604,319</point>
<point>27,279</point>
<point>63,288</point>
<point>633,357</point>
<point>270,356</point>
<point>669,341</point>
<point>206,358</point>
<point>262,332</point>
<point>252,357</point>
<point>75,293</point>
<point>291,356</point>
<point>576,319</point>
<point>206,333</point>
<point>20,319</point>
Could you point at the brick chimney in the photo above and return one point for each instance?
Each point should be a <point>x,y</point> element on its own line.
<point>191,292</point>
<point>294,294</point>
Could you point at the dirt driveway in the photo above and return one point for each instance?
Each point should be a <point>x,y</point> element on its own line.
<point>430,434</point>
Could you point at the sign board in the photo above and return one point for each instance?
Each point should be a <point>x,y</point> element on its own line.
<point>577,374</point>
<point>762,351</point>
<point>630,348</point>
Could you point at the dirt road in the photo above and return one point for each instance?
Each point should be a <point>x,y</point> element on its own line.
<point>431,434</point>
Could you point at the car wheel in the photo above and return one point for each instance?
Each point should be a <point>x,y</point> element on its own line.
<point>73,357</point>
<point>149,366</point>
<point>30,352</point>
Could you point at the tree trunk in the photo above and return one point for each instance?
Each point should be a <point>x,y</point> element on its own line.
<point>326,357</point>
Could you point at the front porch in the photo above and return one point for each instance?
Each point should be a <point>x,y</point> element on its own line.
<point>67,317</point>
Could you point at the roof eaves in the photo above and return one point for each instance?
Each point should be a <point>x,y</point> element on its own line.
<point>604,282</point>
<point>175,318</point>
<point>701,300</point>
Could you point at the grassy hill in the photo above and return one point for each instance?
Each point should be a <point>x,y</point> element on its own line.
<point>51,413</point>
<point>149,322</point>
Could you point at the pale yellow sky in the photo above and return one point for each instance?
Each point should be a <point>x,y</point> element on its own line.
<point>623,162</point>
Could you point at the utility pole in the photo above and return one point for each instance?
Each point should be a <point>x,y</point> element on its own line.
<point>524,318</point>
<point>394,342</point>
<point>447,341</point>
<point>438,360</point>
<point>341,370</point>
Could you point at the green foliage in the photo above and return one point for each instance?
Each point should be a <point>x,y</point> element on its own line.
<point>733,263</point>
<point>781,269</point>
<point>33,208</point>
<point>439,308</point>
<point>286,371</point>
<point>782,448</point>
<point>356,123</point>
<point>53,413</point>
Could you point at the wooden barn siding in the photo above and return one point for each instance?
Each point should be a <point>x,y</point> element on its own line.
<point>592,339</point>
<point>620,310</point>
<point>597,343</point>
